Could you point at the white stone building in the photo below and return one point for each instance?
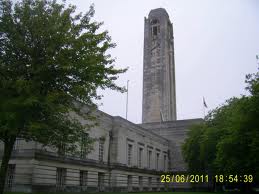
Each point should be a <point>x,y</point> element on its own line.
<point>125,156</point>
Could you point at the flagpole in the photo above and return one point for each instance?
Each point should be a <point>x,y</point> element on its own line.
<point>127,99</point>
<point>203,112</point>
<point>257,60</point>
<point>203,108</point>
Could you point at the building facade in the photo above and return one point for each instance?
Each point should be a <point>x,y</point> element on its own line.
<point>125,156</point>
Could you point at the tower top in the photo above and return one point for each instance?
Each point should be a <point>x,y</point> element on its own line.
<point>158,12</point>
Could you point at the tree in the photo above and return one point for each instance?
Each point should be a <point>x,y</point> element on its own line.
<point>191,148</point>
<point>228,141</point>
<point>50,59</point>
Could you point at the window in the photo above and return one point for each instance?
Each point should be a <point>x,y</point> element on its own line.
<point>140,153</point>
<point>154,30</point>
<point>155,27</point>
<point>149,182</point>
<point>101,146</point>
<point>83,178</point>
<point>61,178</point>
<point>129,154</point>
<point>158,182</point>
<point>100,181</point>
<point>157,161</point>
<point>149,157</point>
<point>10,176</point>
<point>140,180</point>
<point>129,182</point>
<point>164,162</point>
<point>84,145</point>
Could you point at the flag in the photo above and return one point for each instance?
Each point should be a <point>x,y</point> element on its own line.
<point>204,103</point>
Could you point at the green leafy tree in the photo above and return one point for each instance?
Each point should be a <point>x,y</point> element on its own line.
<point>50,59</point>
<point>228,141</point>
<point>191,149</point>
<point>237,151</point>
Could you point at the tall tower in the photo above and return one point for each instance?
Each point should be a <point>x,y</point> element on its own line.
<point>159,101</point>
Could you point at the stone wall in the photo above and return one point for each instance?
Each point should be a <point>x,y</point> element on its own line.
<point>176,133</point>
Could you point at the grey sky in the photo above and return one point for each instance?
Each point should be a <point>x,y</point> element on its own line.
<point>216,42</point>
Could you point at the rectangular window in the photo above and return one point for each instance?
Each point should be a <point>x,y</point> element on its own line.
<point>154,30</point>
<point>84,145</point>
<point>130,154</point>
<point>158,182</point>
<point>10,176</point>
<point>129,182</point>
<point>83,178</point>
<point>157,161</point>
<point>61,178</point>
<point>149,158</point>
<point>140,154</point>
<point>149,182</point>
<point>101,146</point>
<point>140,180</point>
<point>164,162</point>
<point>100,181</point>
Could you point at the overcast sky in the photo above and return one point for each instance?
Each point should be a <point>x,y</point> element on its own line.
<point>216,42</point>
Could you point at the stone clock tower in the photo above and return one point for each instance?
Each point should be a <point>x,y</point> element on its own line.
<point>159,101</point>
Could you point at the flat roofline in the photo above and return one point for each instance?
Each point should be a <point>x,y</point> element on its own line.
<point>176,121</point>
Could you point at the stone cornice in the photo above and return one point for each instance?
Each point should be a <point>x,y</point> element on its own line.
<point>48,156</point>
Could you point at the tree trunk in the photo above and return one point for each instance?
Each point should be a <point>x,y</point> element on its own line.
<point>8,147</point>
